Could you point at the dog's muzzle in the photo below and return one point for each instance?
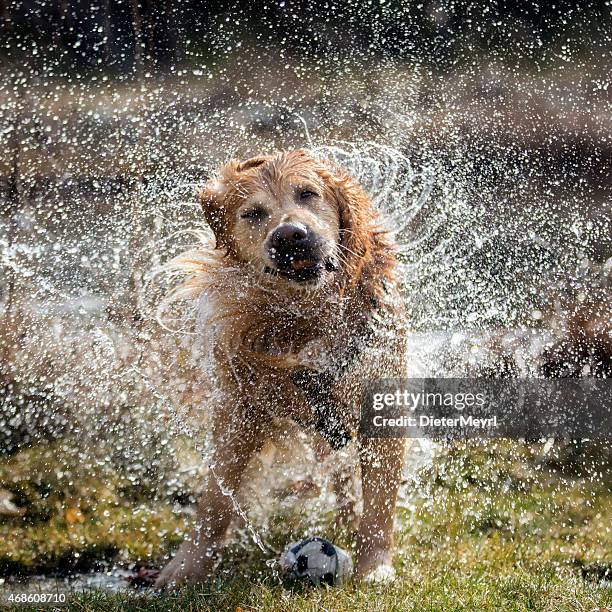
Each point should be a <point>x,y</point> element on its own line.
<point>296,253</point>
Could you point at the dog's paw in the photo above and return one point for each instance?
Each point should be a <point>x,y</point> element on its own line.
<point>382,574</point>
<point>191,565</point>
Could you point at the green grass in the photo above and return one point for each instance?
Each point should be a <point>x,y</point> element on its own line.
<point>80,513</point>
<point>475,589</point>
<point>495,527</point>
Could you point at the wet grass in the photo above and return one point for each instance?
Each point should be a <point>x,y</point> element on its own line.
<point>493,527</point>
<point>79,514</point>
<point>480,588</point>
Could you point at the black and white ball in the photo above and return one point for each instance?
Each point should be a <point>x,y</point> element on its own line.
<point>317,560</point>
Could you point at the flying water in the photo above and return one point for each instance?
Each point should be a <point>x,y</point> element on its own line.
<point>76,287</point>
<point>88,294</point>
<point>101,194</point>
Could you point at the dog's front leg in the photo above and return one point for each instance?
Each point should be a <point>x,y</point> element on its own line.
<point>381,462</point>
<point>195,558</point>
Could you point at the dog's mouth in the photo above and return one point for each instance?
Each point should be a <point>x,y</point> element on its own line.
<point>302,270</point>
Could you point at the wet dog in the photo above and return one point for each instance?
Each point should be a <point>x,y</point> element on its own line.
<point>299,306</point>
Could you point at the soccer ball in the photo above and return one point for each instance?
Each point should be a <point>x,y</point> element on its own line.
<point>318,561</point>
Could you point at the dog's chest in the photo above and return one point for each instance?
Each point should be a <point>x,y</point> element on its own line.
<point>300,347</point>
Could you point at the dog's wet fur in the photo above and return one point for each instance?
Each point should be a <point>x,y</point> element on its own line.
<point>298,285</point>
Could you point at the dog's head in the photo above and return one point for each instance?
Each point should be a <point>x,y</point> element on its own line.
<point>291,216</point>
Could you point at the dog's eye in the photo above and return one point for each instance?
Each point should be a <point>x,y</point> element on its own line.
<point>304,195</point>
<point>253,213</point>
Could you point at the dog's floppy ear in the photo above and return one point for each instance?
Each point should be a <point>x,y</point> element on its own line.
<point>212,200</point>
<point>213,196</point>
<point>356,221</point>
<point>252,162</point>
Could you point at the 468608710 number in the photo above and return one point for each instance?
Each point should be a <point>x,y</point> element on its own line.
<point>36,598</point>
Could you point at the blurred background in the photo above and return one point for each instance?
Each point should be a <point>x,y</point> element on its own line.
<point>483,131</point>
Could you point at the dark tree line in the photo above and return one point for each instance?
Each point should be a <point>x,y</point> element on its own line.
<point>126,35</point>
<point>112,33</point>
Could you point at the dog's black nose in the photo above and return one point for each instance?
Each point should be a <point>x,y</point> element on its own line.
<point>294,251</point>
<point>288,235</point>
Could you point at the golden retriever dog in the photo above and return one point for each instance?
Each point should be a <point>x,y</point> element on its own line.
<point>300,307</point>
